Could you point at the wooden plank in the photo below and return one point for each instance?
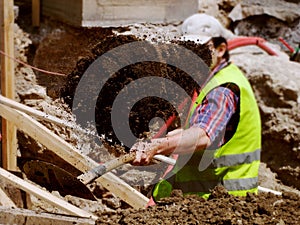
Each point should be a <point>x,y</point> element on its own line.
<point>9,135</point>
<point>122,190</point>
<point>43,135</point>
<point>29,217</point>
<point>5,200</point>
<point>73,156</point>
<point>36,12</point>
<point>44,195</point>
<point>33,112</point>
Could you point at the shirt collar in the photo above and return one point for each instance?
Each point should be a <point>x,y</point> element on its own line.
<point>220,66</point>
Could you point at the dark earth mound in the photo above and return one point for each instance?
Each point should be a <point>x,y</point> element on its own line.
<point>151,105</point>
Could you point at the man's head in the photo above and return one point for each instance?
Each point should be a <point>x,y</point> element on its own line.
<point>205,29</point>
<point>220,47</point>
<point>201,28</point>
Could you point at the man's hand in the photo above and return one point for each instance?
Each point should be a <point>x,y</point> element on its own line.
<point>145,151</point>
<point>178,141</point>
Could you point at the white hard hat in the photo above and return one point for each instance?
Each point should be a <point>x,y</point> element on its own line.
<point>199,39</point>
<point>201,27</point>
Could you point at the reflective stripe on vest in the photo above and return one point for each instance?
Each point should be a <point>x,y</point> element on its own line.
<point>226,160</point>
<point>232,160</point>
<point>204,186</point>
<point>240,184</point>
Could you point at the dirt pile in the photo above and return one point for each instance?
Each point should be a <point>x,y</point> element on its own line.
<point>146,108</point>
<point>67,53</point>
<point>220,208</point>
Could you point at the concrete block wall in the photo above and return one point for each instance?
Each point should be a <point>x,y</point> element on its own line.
<point>123,12</point>
<point>104,13</point>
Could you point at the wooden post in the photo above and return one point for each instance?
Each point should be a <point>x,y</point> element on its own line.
<point>36,6</point>
<point>9,139</point>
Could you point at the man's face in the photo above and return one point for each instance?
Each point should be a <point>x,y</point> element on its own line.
<point>214,54</point>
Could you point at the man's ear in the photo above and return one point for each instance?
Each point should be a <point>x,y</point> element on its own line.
<point>222,48</point>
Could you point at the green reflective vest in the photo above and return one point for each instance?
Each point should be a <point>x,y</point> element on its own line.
<point>234,165</point>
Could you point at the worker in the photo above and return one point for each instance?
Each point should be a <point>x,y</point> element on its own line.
<point>221,143</point>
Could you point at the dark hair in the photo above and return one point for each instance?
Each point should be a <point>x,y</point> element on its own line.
<point>217,41</point>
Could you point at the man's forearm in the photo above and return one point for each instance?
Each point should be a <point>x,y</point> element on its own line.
<point>186,141</point>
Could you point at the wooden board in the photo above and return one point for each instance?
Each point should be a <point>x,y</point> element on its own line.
<point>29,217</point>
<point>44,195</point>
<point>64,150</point>
<point>9,135</point>
<point>43,135</point>
<point>33,112</point>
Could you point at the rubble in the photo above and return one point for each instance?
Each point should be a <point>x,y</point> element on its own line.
<point>267,19</point>
<point>280,9</point>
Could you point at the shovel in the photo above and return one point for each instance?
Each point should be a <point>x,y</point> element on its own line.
<point>55,178</point>
<point>98,171</point>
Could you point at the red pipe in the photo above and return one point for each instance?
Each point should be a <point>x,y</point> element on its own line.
<point>244,41</point>
<point>163,129</point>
<point>286,44</point>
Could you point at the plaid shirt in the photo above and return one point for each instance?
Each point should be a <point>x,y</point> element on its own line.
<point>216,110</point>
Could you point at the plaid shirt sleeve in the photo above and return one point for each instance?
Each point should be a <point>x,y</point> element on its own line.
<point>215,112</point>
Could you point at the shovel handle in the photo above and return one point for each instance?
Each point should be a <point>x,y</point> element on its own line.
<point>98,171</point>
<point>165,159</point>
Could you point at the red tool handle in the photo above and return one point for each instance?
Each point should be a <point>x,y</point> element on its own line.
<point>163,129</point>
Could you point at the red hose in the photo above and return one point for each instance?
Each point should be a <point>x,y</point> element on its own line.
<point>244,41</point>
<point>286,44</point>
